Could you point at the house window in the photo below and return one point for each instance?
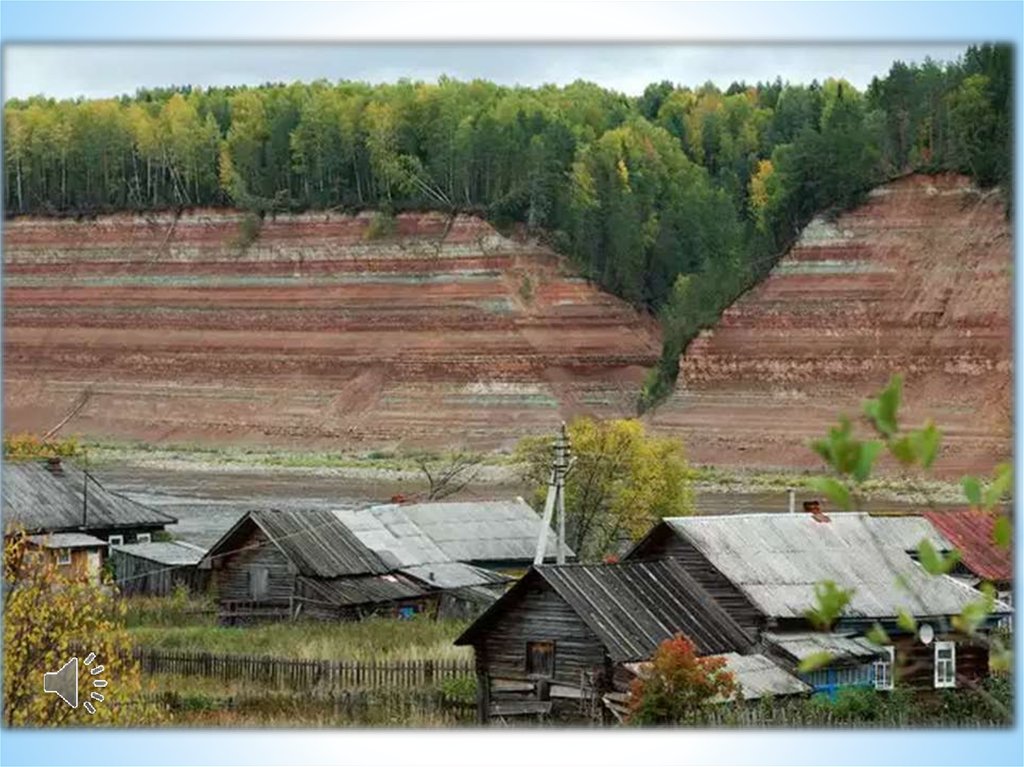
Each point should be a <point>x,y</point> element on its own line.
<point>945,664</point>
<point>144,538</point>
<point>540,659</point>
<point>115,540</point>
<point>63,556</point>
<point>258,577</point>
<point>884,669</point>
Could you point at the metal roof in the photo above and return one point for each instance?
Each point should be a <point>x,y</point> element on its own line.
<point>177,553</point>
<point>465,531</point>
<point>453,575</point>
<point>317,542</point>
<point>803,645</point>
<point>39,499</point>
<point>632,607</point>
<point>970,531</point>
<point>66,541</point>
<point>776,560</point>
<point>365,589</point>
<point>759,676</point>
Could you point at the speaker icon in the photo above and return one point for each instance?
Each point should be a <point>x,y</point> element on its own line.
<point>64,682</point>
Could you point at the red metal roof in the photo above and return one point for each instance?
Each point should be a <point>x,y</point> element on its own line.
<point>970,530</point>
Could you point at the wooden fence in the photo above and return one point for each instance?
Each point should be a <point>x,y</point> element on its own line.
<point>285,673</point>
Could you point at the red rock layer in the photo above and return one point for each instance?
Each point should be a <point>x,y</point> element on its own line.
<point>313,335</point>
<point>917,280</point>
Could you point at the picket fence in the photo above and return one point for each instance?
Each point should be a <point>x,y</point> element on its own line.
<point>286,673</point>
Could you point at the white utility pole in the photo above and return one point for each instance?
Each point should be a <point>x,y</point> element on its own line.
<point>555,501</point>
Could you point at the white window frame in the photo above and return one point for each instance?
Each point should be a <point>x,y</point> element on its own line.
<point>942,679</point>
<point>144,538</point>
<point>63,557</point>
<point>116,540</point>
<point>885,669</point>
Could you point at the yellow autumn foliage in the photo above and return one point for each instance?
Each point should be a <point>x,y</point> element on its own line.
<point>52,614</point>
<point>622,482</point>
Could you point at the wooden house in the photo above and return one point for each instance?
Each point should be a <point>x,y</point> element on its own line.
<point>55,496</point>
<point>762,570</point>
<point>158,568</point>
<point>559,641</point>
<point>291,564</point>
<point>498,535</point>
<point>74,553</point>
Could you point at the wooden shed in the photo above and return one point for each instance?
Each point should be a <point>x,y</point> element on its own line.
<point>552,644</point>
<point>274,565</point>
<point>76,553</point>
<point>158,568</point>
<point>763,569</point>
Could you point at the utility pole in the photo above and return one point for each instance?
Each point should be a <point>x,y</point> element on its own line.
<point>555,501</point>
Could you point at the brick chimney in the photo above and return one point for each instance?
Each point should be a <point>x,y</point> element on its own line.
<point>53,465</point>
<point>814,509</point>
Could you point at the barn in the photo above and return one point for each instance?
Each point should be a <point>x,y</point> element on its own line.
<point>274,565</point>
<point>158,568</point>
<point>557,642</point>
<point>763,569</point>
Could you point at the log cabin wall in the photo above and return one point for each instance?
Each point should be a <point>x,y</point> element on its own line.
<point>915,661</point>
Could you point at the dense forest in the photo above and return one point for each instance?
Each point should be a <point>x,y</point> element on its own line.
<point>677,200</point>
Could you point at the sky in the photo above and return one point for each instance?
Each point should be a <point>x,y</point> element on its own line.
<point>96,71</point>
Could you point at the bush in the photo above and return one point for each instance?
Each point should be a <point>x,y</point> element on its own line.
<point>679,685</point>
<point>383,224</point>
<point>26,446</point>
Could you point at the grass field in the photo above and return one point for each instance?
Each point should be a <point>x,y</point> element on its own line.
<point>190,626</point>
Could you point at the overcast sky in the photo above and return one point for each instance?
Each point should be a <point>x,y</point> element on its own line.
<point>65,71</point>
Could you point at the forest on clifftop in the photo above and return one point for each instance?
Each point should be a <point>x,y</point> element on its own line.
<point>677,200</point>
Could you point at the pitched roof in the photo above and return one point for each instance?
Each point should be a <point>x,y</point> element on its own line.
<point>970,531</point>
<point>776,560</point>
<point>318,543</point>
<point>365,589</point>
<point>37,498</point>
<point>66,541</point>
<point>178,553</point>
<point>632,607</point>
<point>465,531</point>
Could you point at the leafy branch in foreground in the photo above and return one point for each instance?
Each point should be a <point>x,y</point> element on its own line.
<point>852,461</point>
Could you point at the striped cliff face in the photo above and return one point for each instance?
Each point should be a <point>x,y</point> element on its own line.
<point>916,280</point>
<point>308,330</point>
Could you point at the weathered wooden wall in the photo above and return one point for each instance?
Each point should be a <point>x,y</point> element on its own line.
<point>135,575</point>
<point>231,578</point>
<point>664,543</point>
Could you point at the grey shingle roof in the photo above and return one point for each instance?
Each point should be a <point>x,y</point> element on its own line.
<point>164,552</point>
<point>465,531</point>
<point>802,645</point>
<point>66,541</point>
<point>759,676</point>
<point>40,500</point>
<point>633,606</point>
<point>776,560</point>
<point>451,575</point>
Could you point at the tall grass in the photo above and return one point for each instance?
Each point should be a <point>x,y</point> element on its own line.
<point>371,639</point>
